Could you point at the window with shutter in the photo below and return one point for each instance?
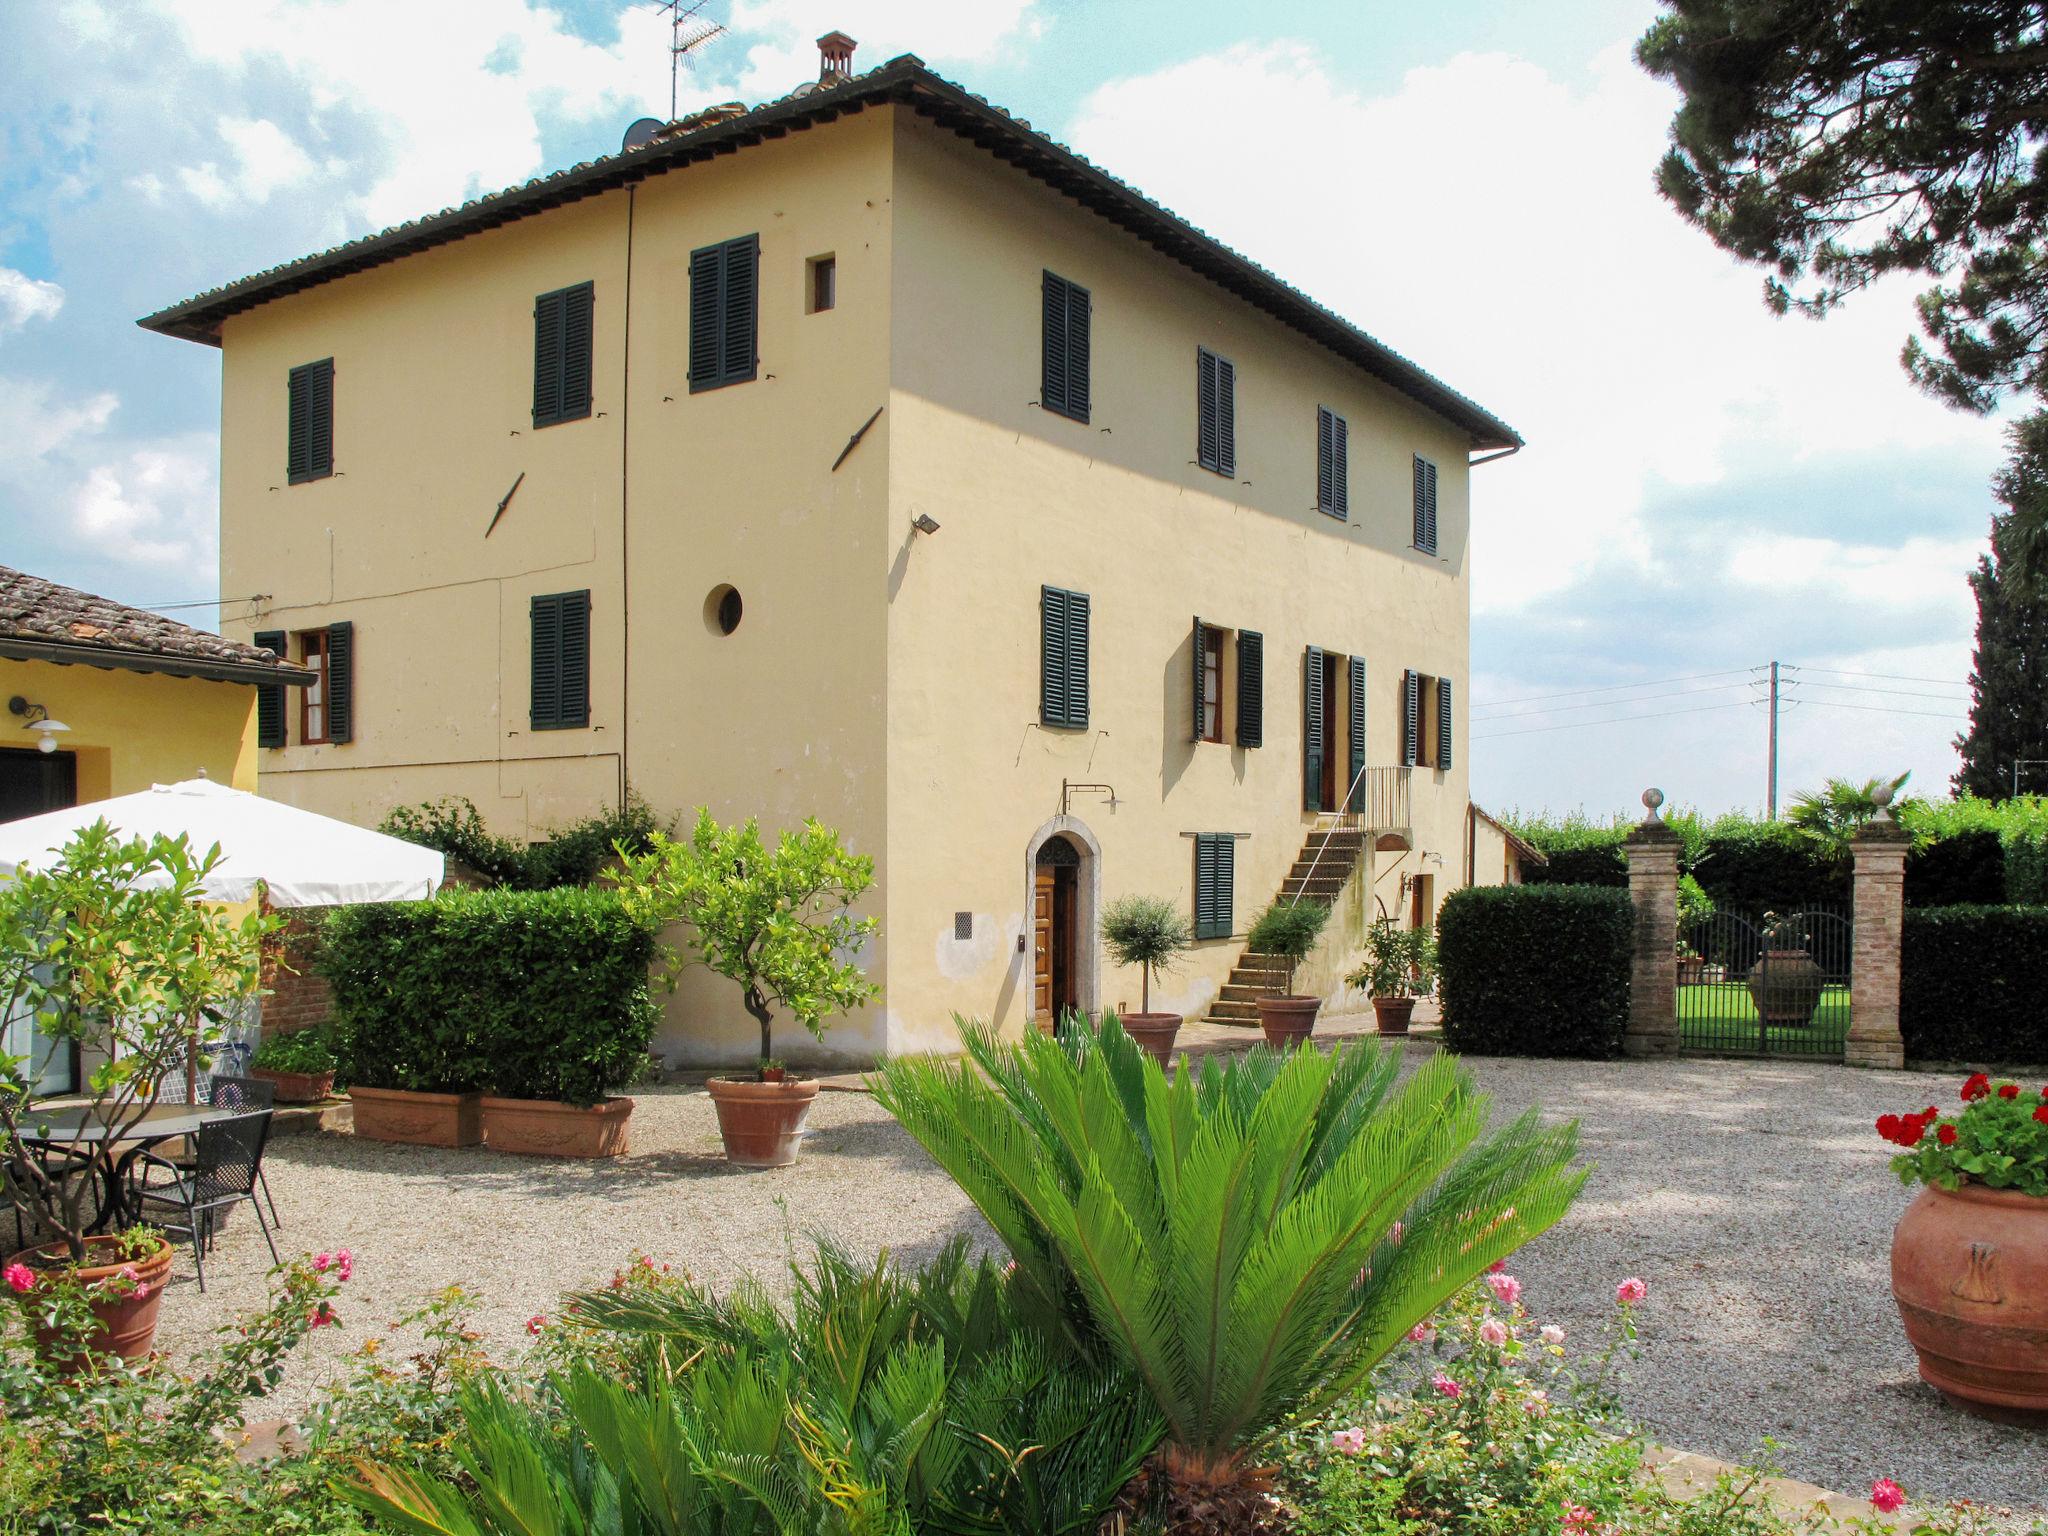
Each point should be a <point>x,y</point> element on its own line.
<point>1411,716</point>
<point>1354,727</point>
<point>1206,652</point>
<point>1251,688</point>
<point>1333,463</point>
<point>724,313</point>
<point>312,646</point>
<point>1215,412</point>
<point>1314,729</point>
<point>1443,722</point>
<point>309,426</point>
<point>561,661</point>
<point>562,340</point>
<point>1063,658</point>
<point>270,696</point>
<point>341,681</point>
<point>1215,885</point>
<point>1064,386</point>
<point>1425,505</point>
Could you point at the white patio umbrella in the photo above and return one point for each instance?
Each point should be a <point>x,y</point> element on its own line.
<point>304,859</point>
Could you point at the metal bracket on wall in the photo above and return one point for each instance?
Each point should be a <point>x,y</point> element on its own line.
<point>1067,793</point>
<point>853,442</point>
<point>506,502</point>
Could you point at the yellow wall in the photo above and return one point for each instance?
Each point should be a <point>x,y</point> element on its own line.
<point>130,730</point>
<point>884,681</point>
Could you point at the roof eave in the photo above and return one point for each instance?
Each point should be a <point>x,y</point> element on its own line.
<point>113,659</point>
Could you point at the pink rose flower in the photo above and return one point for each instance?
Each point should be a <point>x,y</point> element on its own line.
<point>1538,1406</point>
<point>1496,1266</point>
<point>1422,1333</point>
<point>1631,1291</point>
<point>344,1266</point>
<point>1446,1386</point>
<point>20,1278</point>
<point>322,1262</point>
<point>1506,1289</point>
<point>1886,1496</point>
<point>1578,1521</point>
<point>535,1323</point>
<point>1493,1332</point>
<point>320,1316</point>
<point>1553,1335</point>
<point>1350,1441</point>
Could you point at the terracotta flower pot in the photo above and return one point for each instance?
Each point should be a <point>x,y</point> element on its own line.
<point>128,1324</point>
<point>1691,970</point>
<point>1786,985</point>
<point>761,1123</point>
<point>422,1119</point>
<point>1287,1020</point>
<point>1154,1032</point>
<point>550,1128</point>
<point>297,1087</point>
<point>1970,1275</point>
<point>1393,1014</point>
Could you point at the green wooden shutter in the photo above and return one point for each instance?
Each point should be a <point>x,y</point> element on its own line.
<point>1201,644</point>
<point>1215,885</point>
<point>1226,417</point>
<point>1340,474</point>
<point>270,696</point>
<point>549,313</point>
<point>1080,316</point>
<point>1052,656</point>
<point>341,681</point>
<point>737,328</point>
<point>1077,660</point>
<point>1443,722</point>
<point>545,707</point>
<point>1251,688</point>
<point>1411,717</point>
<point>1355,732</point>
<point>561,661</point>
<point>1425,505</point>
<point>1063,387</point>
<point>578,303</point>
<point>309,428</point>
<point>1205,408</point>
<point>706,267</point>
<point>1314,720</point>
<point>576,659</point>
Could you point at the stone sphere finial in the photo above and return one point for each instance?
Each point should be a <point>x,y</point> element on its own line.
<point>1652,799</point>
<point>1881,797</point>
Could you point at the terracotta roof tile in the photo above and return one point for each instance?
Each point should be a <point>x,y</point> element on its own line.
<point>37,614</point>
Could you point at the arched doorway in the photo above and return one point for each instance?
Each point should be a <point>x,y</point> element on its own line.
<point>1063,866</point>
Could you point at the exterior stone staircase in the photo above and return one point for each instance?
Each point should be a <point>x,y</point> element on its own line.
<point>1255,975</point>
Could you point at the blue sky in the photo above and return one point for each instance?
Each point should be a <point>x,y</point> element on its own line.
<point>1706,487</point>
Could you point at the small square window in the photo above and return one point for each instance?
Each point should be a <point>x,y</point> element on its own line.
<point>963,925</point>
<point>823,288</point>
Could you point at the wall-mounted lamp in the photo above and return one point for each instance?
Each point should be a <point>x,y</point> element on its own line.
<point>924,522</point>
<point>38,720</point>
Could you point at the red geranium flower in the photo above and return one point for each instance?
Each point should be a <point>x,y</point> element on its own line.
<point>1947,1135</point>
<point>1888,1126</point>
<point>2041,1113</point>
<point>1978,1086</point>
<point>2008,1090</point>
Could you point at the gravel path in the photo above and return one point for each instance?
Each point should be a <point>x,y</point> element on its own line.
<point>1752,1196</point>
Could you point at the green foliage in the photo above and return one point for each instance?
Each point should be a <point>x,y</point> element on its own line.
<point>526,994</point>
<point>110,950</point>
<point>1535,970</point>
<point>1748,866</point>
<point>1230,1237</point>
<point>1288,929</point>
<point>1147,932</point>
<point>1999,1139</point>
<point>1831,814</point>
<point>879,1401</point>
<point>1971,984</point>
<point>303,1050</point>
<point>573,855</point>
<point>1965,869</point>
<point>1694,904</point>
<point>779,922</point>
<point>2009,707</point>
<point>1399,962</point>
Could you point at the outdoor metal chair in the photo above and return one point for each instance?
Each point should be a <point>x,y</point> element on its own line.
<point>227,1161</point>
<point>249,1093</point>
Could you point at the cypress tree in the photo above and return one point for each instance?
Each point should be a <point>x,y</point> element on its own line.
<point>2009,679</point>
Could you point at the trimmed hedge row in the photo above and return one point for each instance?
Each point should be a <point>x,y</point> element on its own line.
<point>1535,970</point>
<point>523,994</point>
<point>1973,984</point>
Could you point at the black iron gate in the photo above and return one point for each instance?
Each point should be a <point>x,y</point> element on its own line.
<point>1770,985</point>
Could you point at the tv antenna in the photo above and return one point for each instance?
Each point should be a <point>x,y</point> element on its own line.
<point>688,30</point>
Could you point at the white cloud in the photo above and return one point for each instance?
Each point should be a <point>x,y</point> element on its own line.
<point>24,298</point>
<point>35,424</point>
<point>266,158</point>
<point>156,505</point>
<point>935,30</point>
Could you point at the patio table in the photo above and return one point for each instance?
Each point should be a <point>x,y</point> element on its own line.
<point>75,1127</point>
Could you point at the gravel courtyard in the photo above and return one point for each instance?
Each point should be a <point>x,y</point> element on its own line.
<point>1752,1196</point>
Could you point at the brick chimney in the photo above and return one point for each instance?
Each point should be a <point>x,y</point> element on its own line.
<point>835,57</point>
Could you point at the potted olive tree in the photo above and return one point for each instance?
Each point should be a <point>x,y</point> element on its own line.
<point>1288,931</point>
<point>1151,934</point>
<point>113,955</point>
<point>779,922</point>
<point>1400,966</point>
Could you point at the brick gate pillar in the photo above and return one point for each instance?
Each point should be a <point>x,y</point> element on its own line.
<point>1653,850</point>
<point>1877,917</point>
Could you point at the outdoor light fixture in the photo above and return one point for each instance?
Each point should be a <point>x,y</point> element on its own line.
<point>924,522</point>
<point>39,721</point>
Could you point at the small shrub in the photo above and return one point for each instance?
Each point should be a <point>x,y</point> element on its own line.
<point>304,1050</point>
<point>1149,933</point>
<point>1749,866</point>
<point>1535,970</point>
<point>571,855</point>
<point>527,994</point>
<point>1964,869</point>
<point>1971,984</point>
<point>1288,929</point>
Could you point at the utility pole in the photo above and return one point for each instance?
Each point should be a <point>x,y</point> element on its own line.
<point>1773,797</point>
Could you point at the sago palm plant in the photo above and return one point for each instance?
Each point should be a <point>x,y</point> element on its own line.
<point>1248,1241</point>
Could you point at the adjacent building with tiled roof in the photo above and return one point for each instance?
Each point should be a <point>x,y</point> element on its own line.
<point>44,620</point>
<point>870,455</point>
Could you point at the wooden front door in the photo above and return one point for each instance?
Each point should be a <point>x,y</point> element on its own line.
<point>1041,945</point>
<point>1053,973</point>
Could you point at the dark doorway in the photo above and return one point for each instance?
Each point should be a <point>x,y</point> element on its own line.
<point>1333,782</point>
<point>1054,979</point>
<point>34,782</point>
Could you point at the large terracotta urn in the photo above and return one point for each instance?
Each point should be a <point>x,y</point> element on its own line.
<point>1288,1021</point>
<point>761,1124</point>
<point>127,1324</point>
<point>1970,1275</point>
<point>1154,1032</point>
<point>1786,985</point>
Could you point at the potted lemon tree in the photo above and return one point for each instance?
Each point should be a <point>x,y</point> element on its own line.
<point>1151,934</point>
<point>1288,930</point>
<point>779,922</point>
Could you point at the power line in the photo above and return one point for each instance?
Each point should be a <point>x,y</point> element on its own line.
<point>1881,709</point>
<point>1890,677</point>
<point>1574,693</point>
<point>1889,693</point>
<point>1580,725</point>
<point>1641,698</point>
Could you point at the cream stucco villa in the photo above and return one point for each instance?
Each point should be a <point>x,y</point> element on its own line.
<point>867,455</point>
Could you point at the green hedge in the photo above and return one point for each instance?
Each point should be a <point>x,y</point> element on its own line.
<point>1963,870</point>
<point>1973,984</point>
<point>525,994</point>
<point>1535,970</point>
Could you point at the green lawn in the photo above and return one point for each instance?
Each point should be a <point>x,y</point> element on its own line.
<point>1718,1016</point>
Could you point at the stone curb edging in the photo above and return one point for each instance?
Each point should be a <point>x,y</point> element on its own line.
<point>1687,1475</point>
